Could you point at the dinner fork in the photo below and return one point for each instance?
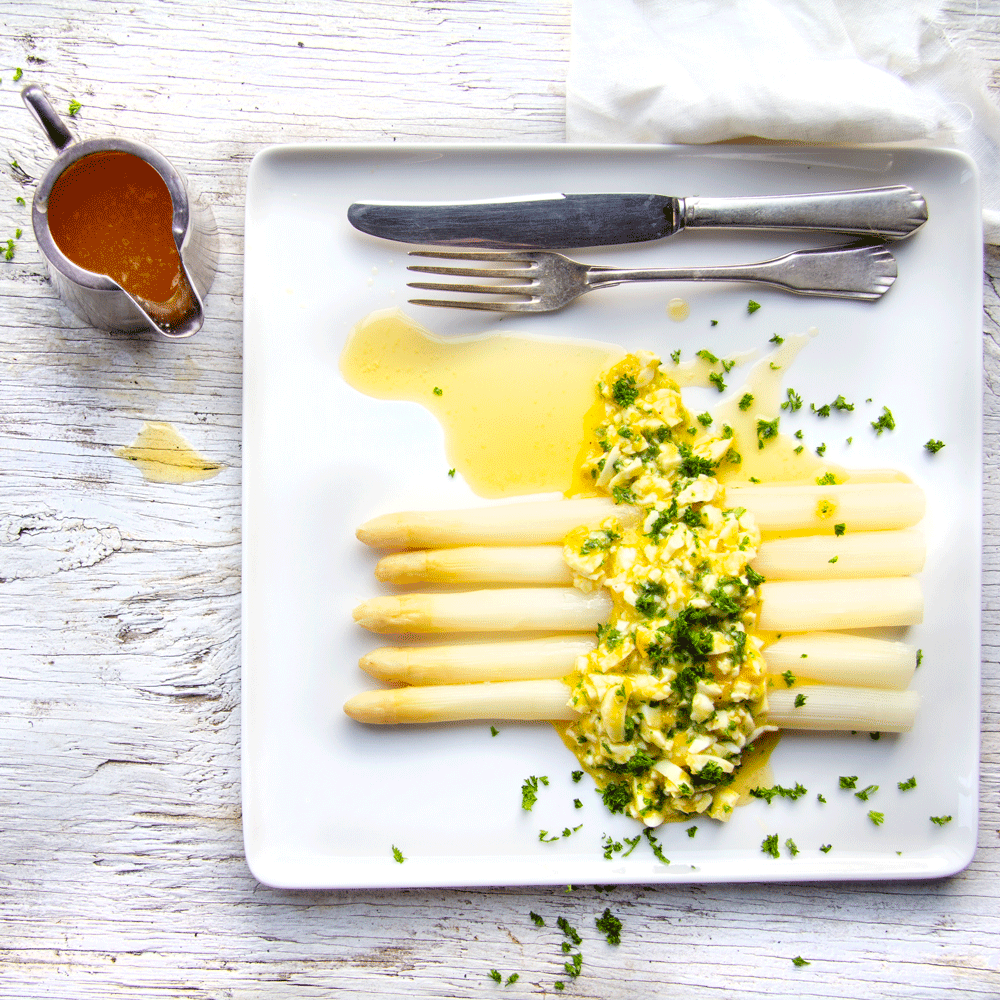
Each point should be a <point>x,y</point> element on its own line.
<point>544,281</point>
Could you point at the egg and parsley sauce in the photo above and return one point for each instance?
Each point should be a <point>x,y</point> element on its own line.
<point>676,688</point>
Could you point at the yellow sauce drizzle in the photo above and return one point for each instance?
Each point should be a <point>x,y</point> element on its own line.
<point>163,456</point>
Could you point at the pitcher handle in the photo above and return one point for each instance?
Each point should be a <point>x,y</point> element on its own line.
<point>55,128</point>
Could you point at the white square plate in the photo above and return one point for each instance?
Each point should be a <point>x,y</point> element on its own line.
<point>324,798</point>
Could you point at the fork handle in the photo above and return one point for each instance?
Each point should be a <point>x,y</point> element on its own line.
<point>886,212</point>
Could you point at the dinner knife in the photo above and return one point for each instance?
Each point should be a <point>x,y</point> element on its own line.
<point>556,221</point>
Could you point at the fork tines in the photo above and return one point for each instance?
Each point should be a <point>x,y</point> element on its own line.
<point>520,295</point>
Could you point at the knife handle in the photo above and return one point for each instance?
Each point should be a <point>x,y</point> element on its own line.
<point>889,213</point>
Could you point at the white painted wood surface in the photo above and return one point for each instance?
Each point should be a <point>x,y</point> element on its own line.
<point>121,862</point>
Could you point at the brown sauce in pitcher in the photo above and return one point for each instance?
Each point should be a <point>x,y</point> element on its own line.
<point>111,213</point>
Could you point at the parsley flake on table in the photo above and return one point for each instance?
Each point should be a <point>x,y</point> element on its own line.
<point>577,804</point>
<point>820,797</point>
<point>529,791</point>
<point>905,786</point>
<point>885,422</point>
<point>798,451</point>
<point>74,108</point>
<point>451,472</point>
<point>574,965</point>
<point>821,450</point>
<point>610,926</point>
<point>866,792</point>
<point>800,700</point>
<point>799,961</point>
<point>576,776</point>
<point>18,73</point>
<point>841,404</point>
<point>849,782</point>
<point>19,200</point>
<point>769,845</point>
<point>752,307</point>
<point>822,411</point>
<point>571,932</point>
<point>792,847</point>
<point>536,918</point>
<point>940,820</point>
<point>495,976</point>
<point>876,817</point>
<point>397,855</point>
<point>776,339</point>
<point>934,446</point>
<point>775,368</point>
<point>826,848</point>
<point>512,978</point>
<point>675,356</point>
<point>559,985</point>
<point>692,830</point>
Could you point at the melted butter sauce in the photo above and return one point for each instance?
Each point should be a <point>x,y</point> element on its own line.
<point>512,406</point>
<point>163,456</point>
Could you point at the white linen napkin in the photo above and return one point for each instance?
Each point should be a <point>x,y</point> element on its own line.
<point>816,71</point>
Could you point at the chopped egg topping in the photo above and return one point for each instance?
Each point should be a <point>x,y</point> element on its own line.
<point>673,692</point>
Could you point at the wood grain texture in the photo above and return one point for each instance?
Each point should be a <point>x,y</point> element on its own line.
<point>121,859</point>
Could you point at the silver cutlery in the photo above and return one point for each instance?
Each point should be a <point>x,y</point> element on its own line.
<point>561,221</point>
<point>544,281</point>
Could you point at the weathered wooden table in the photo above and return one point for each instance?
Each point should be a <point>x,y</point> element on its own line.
<point>121,860</point>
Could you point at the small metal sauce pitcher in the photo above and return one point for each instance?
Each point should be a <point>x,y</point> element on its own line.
<point>96,297</point>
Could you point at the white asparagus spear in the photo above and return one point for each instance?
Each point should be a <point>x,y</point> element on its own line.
<point>793,606</point>
<point>810,557</point>
<point>827,708</point>
<point>827,657</point>
<point>859,506</point>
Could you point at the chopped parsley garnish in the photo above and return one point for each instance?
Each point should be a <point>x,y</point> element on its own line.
<point>820,797</point>
<point>624,391</point>
<point>821,450</point>
<point>559,985</point>
<point>745,400</point>
<point>692,830</point>
<point>74,108</point>
<point>768,794</point>
<point>617,796</point>
<point>839,529</point>
<point>536,919</point>
<point>693,465</point>
<point>632,842</point>
<point>799,961</point>
<point>841,404</point>
<point>792,847</point>
<point>876,817</point>
<point>529,791</point>
<point>19,200</point>
<point>798,434</point>
<point>934,446</point>
<point>851,782</point>
<point>822,411</point>
<point>766,430</point>
<point>800,700</point>
<point>798,451</point>
<point>577,775</point>
<point>494,731</point>
<point>18,73</point>
<point>920,657</point>
<point>752,307</point>
<point>833,560</point>
<point>826,848</point>
<point>716,379</point>
<point>769,845</point>
<point>573,966</point>
<point>885,422</point>
<point>397,855</point>
<point>905,786</point>
<point>713,322</point>
<point>577,804</point>
<point>610,926</point>
<point>438,391</point>
<point>792,403</point>
<point>789,678</point>
<point>875,735</point>
<point>776,340</point>
<point>654,845</point>
<point>622,494</point>
<point>675,356</point>
<point>707,355</point>
<point>940,820</point>
<point>775,368</point>
<point>705,419</point>
<point>827,479</point>
<point>512,978</point>
<point>495,976</point>
<point>866,792</point>
<point>543,836</point>
<point>451,472</point>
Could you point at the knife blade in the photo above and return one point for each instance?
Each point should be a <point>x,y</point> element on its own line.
<point>558,221</point>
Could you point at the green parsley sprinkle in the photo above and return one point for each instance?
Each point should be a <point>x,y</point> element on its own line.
<point>705,419</point>
<point>800,700</point>
<point>451,473</point>
<point>885,422</point>
<point>821,450</point>
<point>610,926</point>
<point>577,775</point>
<point>766,431</point>
<point>716,379</point>
<point>821,798</point>
<point>799,961</point>
<point>536,919</point>
<point>792,847</point>
<point>438,391</point>
<point>495,976</point>
<point>866,792</point>
<point>940,820</point>
<point>834,559</point>
<point>839,529</point>
<point>19,200</point>
<point>775,368</point>
<point>826,848</point>
<point>529,791</point>
<point>920,657</point>
<point>789,678</point>
<point>675,356</point>
<point>752,307</point>
<point>494,731</point>
<point>827,479</point>
<point>876,817</point>
<point>713,322</point>
<point>934,446</point>
<point>512,978</point>
<point>745,400</point>
<point>905,786</point>
<point>692,830</point>
<point>792,403</point>
<point>776,340</point>
<point>577,804</point>
<point>74,108</point>
<point>18,73</point>
<point>851,782</point>
<point>397,855</point>
<point>769,845</point>
<point>798,450</point>
<point>706,355</point>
